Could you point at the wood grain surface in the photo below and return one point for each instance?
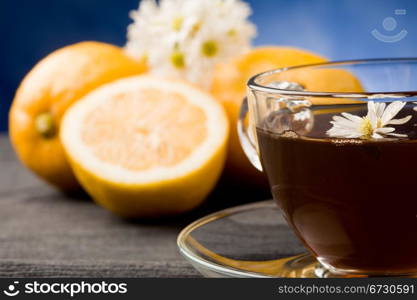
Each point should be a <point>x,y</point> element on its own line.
<point>46,233</point>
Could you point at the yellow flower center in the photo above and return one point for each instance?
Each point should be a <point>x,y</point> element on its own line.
<point>196,28</point>
<point>232,32</point>
<point>209,48</point>
<point>366,128</point>
<point>177,59</point>
<point>177,23</point>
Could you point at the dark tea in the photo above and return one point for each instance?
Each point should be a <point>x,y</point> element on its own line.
<point>352,202</point>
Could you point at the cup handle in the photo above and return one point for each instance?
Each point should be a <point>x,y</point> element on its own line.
<point>245,138</point>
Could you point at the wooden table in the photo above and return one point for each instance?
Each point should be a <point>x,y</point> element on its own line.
<point>46,233</point>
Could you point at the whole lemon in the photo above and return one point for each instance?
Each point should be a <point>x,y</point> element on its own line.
<point>48,90</point>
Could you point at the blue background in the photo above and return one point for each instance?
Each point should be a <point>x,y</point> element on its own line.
<point>337,29</point>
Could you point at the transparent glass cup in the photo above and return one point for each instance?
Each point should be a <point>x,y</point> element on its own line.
<point>337,142</point>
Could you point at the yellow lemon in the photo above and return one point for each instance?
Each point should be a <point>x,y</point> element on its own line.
<point>48,90</point>
<point>145,147</point>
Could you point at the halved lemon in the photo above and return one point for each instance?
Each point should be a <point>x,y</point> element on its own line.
<point>144,146</point>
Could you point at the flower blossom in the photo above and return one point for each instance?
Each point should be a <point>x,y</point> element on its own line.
<point>186,38</point>
<point>373,125</point>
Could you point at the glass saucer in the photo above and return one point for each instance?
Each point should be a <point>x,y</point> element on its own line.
<point>251,241</point>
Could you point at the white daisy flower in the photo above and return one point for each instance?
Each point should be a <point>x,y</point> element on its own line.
<point>373,125</point>
<point>186,38</point>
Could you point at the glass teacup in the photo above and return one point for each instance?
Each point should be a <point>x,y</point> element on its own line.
<point>338,143</point>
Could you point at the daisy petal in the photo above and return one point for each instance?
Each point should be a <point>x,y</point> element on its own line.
<point>377,136</point>
<point>384,130</point>
<point>342,122</point>
<point>398,135</point>
<point>372,116</point>
<point>343,133</point>
<point>391,111</point>
<point>400,121</point>
<point>379,108</point>
<point>352,117</point>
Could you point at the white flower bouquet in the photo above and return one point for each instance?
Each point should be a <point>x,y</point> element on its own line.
<point>186,38</point>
